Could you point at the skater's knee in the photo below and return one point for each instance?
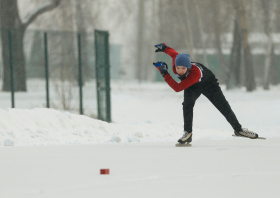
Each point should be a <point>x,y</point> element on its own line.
<point>188,104</point>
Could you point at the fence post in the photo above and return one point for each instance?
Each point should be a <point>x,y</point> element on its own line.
<point>102,66</point>
<point>80,73</point>
<point>47,69</point>
<point>108,88</point>
<point>12,69</point>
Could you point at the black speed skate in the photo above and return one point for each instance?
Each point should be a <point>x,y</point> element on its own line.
<point>246,133</point>
<point>186,138</point>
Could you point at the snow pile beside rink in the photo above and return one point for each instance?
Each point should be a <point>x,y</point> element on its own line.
<point>147,112</point>
<point>40,126</point>
<point>47,126</point>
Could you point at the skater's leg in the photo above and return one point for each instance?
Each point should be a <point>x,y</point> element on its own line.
<point>190,96</point>
<point>214,93</point>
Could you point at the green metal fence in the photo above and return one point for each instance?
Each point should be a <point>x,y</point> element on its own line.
<point>103,75</point>
<point>58,70</point>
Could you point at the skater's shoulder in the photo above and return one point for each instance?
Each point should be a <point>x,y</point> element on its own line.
<point>199,65</point>
<point>196,68</point>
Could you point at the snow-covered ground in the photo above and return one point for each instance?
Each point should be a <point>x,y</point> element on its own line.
<point>140,113</point>
<point>51,153</point>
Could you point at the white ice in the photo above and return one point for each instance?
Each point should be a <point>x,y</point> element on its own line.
<point>50,153</point>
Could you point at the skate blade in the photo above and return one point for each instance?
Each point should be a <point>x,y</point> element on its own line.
<point>183,145</point>
<point>249,138</point>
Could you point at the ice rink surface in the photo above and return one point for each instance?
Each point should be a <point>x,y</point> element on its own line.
<point>47,153</point>
<point>218,168</point>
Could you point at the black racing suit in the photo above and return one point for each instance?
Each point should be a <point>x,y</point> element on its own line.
<point>209,87</point>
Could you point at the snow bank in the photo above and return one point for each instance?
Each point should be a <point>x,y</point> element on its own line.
<point>147,112</point>
<point>42,126</point>
<point>47,126</point>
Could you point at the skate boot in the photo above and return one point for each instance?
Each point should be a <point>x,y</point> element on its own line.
<point>246,133</point>
<point>187,137</point>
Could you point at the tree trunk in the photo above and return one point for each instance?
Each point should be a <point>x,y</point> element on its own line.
<point>68,68</point>
<point>267,64</point>
<point>140,40</point>
<point>82,29</point>
<point>189,27</point>
<point>6,60</point>
<point>234,79</point>
<point>10,21</point>
<point>19,60</point>
<point>181,18</point>
<point>223,65</point>
<point>249,71</point>
<point>201,34</point>
<point>275,75</point>
<point>268,20</point>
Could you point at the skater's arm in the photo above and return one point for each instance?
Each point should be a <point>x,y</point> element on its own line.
<point>193,77</point>
<point>171,52</point>
<point>168,50</point>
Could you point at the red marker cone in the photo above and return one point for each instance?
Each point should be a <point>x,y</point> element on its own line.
<point>104,171</point>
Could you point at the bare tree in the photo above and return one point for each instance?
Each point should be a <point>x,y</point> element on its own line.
<point>201,32</point>
<point>234,76</point>
<point>81,26</point>
<point>10,20</point>
<point>64,47</point>
<point>146,36</point>
<point>218,30</point>
<point>182,13</point>
<point>249,71</point>
<point>275,77</point>
<point>140,39</point>
<point>268,7</point>
<point>188,25</point>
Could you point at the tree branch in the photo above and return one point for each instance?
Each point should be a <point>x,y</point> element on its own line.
<point>44,7</point>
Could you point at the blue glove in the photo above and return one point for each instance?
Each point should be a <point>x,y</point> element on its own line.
<point>160,47</point>
<point>162,67</point>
